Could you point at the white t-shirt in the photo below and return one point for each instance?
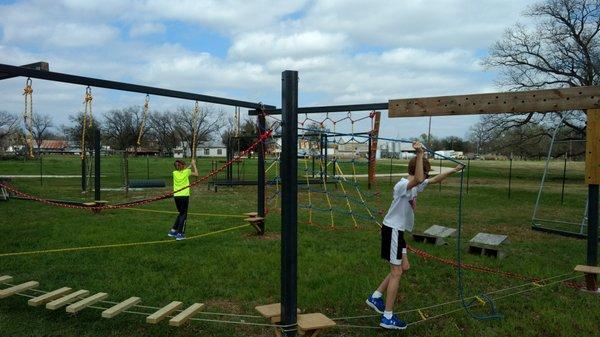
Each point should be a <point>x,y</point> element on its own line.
<point>401,214</point>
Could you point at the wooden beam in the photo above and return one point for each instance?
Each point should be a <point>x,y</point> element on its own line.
<point>18,288</point>
<point>86,302</point>
<point>60,302</point>
<point>36,301</point>
<point>578,98</point>
<point>592,147</point>
<point>186,314</point>
<point>588,269</point>
<point>119,308</point>
<point>5,279</point>
<point>162,313</point>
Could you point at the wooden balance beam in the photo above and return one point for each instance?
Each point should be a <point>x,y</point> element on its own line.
<point>308,324</point>
<point>48,297</point>
<point>591,275</point>
<point>119,308</point>
<point>86,302</point>
<point>70,298</point>
<point>185,315</point>
<point>5,279</point>
<point>163,312</point>
<point>18,288</point>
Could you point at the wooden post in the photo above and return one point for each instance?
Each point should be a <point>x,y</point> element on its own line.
<point>592,174</point>
<point>374,136</point>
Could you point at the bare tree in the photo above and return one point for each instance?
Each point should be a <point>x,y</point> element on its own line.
<point>121,127</point>
<point>40,128</point>
<point>74,130</point>
<point>9,126</point>
<point>561,50</point>
<point>208,121</point>
<point>162,130</point>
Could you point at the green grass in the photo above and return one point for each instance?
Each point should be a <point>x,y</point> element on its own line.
<point>234,271</point>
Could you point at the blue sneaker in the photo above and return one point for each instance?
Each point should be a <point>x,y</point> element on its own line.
<point>376,304</point>
<point>172,233</point>
<point>392,323</point>
<point>180,236</point>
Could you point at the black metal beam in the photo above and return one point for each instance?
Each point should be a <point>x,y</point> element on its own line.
<point>592,234</point>
<point>327,108</point>
<point>289,202</point>
<point>261,169</point>
<point>99,83</point>
<point>44,66</point>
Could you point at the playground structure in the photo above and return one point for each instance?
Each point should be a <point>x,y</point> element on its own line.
<point>541,100</point>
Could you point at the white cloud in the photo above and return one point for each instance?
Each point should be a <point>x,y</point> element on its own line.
<point>147,28</point>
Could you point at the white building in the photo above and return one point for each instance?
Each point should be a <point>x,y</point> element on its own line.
<point>207,149</point>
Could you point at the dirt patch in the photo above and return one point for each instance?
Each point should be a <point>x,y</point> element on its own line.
<point>222,305</point>
<point>268,236</point>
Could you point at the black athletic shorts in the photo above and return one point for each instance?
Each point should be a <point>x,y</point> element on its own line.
<point>392,243</point>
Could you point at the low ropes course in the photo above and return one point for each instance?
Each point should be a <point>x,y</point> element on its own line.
<point>423,313</point>
<point>97,208</point>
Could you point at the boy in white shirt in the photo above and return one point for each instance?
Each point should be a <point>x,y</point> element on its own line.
<point>400,218</point>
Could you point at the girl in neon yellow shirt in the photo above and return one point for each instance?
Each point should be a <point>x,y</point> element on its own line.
<point>181,182</point>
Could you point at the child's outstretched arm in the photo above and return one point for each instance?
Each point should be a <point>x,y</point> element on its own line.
<point>194,169</point>
<point>419,172</point>
<point>440,177</point>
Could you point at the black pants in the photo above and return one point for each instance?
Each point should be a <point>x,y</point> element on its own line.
<point>182,207</point>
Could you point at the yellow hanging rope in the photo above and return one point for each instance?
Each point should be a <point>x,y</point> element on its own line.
<point>87,101</point>
<point>28,114</point>
<point>143,122</point>
<point>337,166</point>
<point>323,170</point>
<point>195,115</point>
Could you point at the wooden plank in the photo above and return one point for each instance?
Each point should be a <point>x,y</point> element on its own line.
<point>546,100</point>
<point>251,214</point>
<point>269,310</point>
<point>60,302</point>
<point>5,279</point>
<point>592,148</point>
<point>18,288</point>
<point>36,301</point>
<point>162,313</point>
<point>185,315</point>
<point>254,219</point>
<point>119,308</point>
<point>314,321</point>
<point>588,269</point>
<point>86,302</point>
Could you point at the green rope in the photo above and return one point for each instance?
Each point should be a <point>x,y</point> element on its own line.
<point>493,312</point>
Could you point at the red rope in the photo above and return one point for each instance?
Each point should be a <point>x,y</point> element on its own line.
<point>97,208</point>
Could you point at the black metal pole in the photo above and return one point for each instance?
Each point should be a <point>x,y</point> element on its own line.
<point>97,164</point>
<point>289,202</point>
<point>562,192</point>
<point>41,169</point>
<point>83,175</point>
<point>369,153</point>
<point>468,170</point>
<point>592,234</point>
<point>261,168</point>
<point>510,175</point>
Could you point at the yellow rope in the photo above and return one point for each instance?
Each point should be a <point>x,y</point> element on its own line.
<point>189,213</point>
<point>362,199</point>
<point>194,126</point>
<point>28,114</point>
<point>87,101</point>
<point>308,186</point>
<point>337,166</point>
<point>143,122</point>
<point>323,171</point>
<point>72,249</point>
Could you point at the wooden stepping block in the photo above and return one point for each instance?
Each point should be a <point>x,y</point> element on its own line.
<point>312,324</point>
<point>273,313</point>
<point>185,315</point>
<point>18,288</point>
<point>488,245</point>
<point>441,231</point>
<point>5,279</point>
<point>251,214</point>
<point>163,312</point>
<point>591,276</point>
<point>428,238</point>
<point>70,298</point>
<point>119,308</point>
<point>258,223</point>
<point>86,302</point>
<point>43,299</point>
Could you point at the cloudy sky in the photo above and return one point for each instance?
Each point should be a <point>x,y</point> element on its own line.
<point>346,51</point>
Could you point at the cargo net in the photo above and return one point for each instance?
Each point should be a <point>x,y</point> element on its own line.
<point>336,180</point>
